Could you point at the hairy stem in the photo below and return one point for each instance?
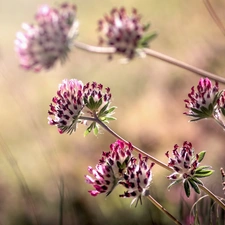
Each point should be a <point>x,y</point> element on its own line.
<point>161,208</point>
<point>155,54</point>
<point>214,16</point>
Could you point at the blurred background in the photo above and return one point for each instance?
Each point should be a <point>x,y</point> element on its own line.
<point>149,94</point>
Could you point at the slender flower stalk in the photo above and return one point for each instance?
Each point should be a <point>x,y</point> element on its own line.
<point>161,208</point>
<point>155,54</point>
<point>138,150</point>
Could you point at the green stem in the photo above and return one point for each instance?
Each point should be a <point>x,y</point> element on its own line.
<point>155,54</point>
<point>161,208</point>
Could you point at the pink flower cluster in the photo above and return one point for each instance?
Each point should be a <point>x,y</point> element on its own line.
<point>40,46</point>
<point>184,162</point>
<point>120,167</point>
<point>73,100</point>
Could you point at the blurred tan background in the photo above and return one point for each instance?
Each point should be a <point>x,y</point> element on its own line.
<point>149,95</point>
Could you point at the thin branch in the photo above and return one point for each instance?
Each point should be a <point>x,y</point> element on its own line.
<point>134,147</point>
<point>155,54</point>
<point>161,208</point>
<point>214,16</point>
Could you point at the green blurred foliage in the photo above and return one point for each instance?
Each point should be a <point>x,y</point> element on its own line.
<point>149,95</point>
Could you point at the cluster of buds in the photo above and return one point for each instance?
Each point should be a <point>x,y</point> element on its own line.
<point>77,103</point>
<point>40,46</point>
<point>186,167</point>
<point>124,32</point>
<point>120,167</point>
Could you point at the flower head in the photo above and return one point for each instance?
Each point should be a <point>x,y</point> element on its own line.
<point>67,106</point>
<point>78,103</point>
<point>40,46</point>
<point>137,180</point>
<point>186,167</point>
<point>123,31</point>
<point>110,168</point>
<point>203,102</point>
<point>97,104</point>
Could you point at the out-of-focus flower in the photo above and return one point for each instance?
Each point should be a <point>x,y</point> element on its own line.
<point>110,168</point>
<point>40,46</point>
<point>124,32</point>
<point>186,167</point>
<point>137,179</point>
<point>203,102</point>
<point>66,107</point>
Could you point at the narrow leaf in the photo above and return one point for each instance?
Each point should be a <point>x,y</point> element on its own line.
<point>201,156</point>
<point>194,186</point>
<point>187,188</point>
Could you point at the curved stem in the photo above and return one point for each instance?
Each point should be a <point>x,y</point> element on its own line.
<point>212,196</point>
<point>161,208</point>
<point>134,147</point>
<point>97,120</point>
<point>155,54</point>
<point>214,16</point>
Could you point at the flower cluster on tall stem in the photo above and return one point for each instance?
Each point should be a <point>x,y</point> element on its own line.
<point>78,103</point>
<point>186,167</point>
<point>120,167</point>
<point>40,46</point>
<point>110,169</point>
<point>203,102</point>
<point>124,32</point>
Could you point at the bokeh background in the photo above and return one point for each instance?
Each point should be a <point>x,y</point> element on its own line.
<point>149,96</point>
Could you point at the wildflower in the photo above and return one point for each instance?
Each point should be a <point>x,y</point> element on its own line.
<point>77,103</point>
<point>124,32</point>
<point>203,102</point>
<point>66,107</point>
<point>186,167</point>
<point>40,46</point>
<point>97,104</point>
<point>110,168</point>
<point>137,180</point>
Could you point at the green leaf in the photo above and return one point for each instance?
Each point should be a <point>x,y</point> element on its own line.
<point>95,130</point>
<point>196,180</point>
<point>203,173</point>
<point>187,188</point>
<point>202,168</point>
<point>201,156</point>
<point>103,109</point>
<point>111,109</point>
<point>173,183</point>
<point>146,26</point>
<point>194,186</point>
<point>89,129</point>
<point>146,39</point>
